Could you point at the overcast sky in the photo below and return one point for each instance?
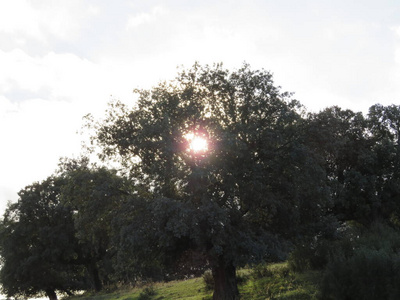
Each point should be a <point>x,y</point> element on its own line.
<point>60,60</point>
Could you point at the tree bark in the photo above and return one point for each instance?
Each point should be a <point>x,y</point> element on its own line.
<point>51,294</point>
<point>225,283</point>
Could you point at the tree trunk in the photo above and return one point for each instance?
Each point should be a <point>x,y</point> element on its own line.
<point>51,294</point>
<point>225,283</point>
<point>94,273</point>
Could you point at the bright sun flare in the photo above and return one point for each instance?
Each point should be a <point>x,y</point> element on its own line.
<point>197,143</point>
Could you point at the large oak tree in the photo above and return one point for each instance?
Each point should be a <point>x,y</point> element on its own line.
<point>255,186</point>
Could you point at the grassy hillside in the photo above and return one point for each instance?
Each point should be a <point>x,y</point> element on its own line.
<point>262,282</point>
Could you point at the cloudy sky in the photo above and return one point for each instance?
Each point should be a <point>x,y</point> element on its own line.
<point>60,60</point>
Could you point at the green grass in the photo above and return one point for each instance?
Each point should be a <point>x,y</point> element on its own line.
<point>264,282</point>
<point>277,282</point>
<point>192,289</point>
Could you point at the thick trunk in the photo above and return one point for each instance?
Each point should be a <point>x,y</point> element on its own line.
<point>51,294</point>
<point>225,283</point>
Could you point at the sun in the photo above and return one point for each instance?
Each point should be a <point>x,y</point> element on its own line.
<point>196,143</point>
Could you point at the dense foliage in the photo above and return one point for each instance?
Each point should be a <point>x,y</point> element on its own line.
<point>272,179</point>
<point>364,265</point>
<point>257,186</point>
<point>38,244</point>
<point>56,237</point>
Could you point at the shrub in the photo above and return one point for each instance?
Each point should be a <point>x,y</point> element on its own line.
<point>208,280</point>
<point>300,259</point>
<point>282,271</point>
<point>271,280</point>
<point>366,275</point>
<point>261,271</point>
<point>312,256</point>
<point>241,278</point>
<point>147,293</point>
<point>370,271</point>
<point>316,253</point>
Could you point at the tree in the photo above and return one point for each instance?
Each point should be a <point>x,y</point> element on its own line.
<point>255,186</point>
<point>94,194</point>
<point>384,126</point>
<point>58,229</point>
<point>361,157</point>
<point>340,137</point>
<point>37,244</point>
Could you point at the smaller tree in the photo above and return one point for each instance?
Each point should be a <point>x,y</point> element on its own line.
<point>94,195</point>
<point>384,125</point>
<point>340,139</point>
<point>38,245</point>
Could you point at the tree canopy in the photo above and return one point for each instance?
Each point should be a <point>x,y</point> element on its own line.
<point>256,186</point>
<point>38,245</point>
<point>56,238</point>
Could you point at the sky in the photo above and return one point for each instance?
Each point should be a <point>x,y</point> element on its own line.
<point>60,60</point>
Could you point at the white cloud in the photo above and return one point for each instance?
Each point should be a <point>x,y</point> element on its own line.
<point>54,76</point>
<point>145,18</point>
<point>6,107</point>
<point>19,16</point>
<point>396,30</point>
<point>40,19</point>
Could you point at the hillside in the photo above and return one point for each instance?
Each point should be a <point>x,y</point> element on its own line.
<point>262,282</point>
